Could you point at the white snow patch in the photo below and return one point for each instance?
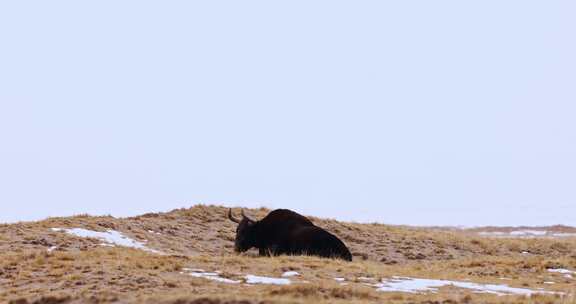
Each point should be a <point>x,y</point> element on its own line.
<point>413,285</point>
<point>528,233</point>
<point>194,269</point>
<point>486,233</point>
<point>252,279</point>
<point>550,283</point>
<point>110,237</point>
<point>563,235</point>
<point>340,279</point>
<point>562,271</point>
<point>49,250</point>
<point>213,276</point>
<point>288,274</point>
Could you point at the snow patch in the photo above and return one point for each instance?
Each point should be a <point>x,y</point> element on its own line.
<point>110,237</point>
<point>194,269</point>
<point>340,279</point>
<point>563,235</point>
<point>252,279</point>
<point>413,285</point>
<point>529,232</point>
<point>562,271</point>
<point>486,233</point>
<point>249,279</point>
<point>212,276</point>
<point>288,274</point>
<point>49,250</point>
<point>568,274</point>
<point>526,234</point>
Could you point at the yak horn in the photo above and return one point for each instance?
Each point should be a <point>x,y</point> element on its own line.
<point>232,218</point>
<point>244,215</point>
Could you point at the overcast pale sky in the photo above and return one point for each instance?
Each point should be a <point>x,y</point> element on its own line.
<point>404,112</point>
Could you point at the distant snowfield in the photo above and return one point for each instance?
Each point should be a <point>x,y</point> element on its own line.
<point>526,234</point>
<point>110,237</point>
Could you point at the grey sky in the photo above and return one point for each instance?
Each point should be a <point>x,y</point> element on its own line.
<point>407,112</point>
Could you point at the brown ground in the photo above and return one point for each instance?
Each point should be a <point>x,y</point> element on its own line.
<point>80,270</point>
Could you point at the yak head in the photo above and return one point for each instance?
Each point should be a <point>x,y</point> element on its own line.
<point>244,232</point>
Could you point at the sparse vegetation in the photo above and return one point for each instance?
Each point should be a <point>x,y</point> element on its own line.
<point>78,270</point>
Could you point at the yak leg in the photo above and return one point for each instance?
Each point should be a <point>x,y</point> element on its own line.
<point>269,251</point>
<point>273,250</point>
<point>264,252</point>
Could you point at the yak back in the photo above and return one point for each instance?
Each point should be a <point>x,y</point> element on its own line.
<point>277,226</point>
<point>313,240</point>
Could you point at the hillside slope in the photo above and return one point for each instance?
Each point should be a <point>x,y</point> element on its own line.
<point>42,262</point>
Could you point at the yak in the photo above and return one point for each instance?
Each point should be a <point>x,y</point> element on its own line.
<point>286,232</point>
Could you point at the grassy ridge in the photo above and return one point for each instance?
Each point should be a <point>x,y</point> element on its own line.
<point>80,270</point>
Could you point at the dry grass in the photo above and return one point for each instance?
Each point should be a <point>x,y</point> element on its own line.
<point>80,270</point>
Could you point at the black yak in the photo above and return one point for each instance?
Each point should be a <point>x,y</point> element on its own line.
<point>286,232</point>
